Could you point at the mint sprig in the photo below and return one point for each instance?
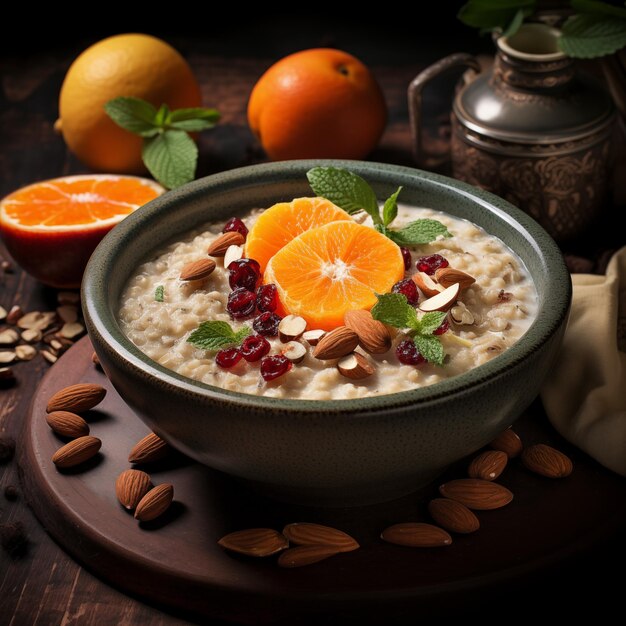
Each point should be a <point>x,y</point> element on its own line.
<point>168,152</point>
<point>159,293</point>
<point>353,194</point>
<point>213,335</point>
<point>393,309</point>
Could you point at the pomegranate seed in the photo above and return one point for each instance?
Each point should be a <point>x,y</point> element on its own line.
<point>241,303</point>
<point>406,255</point>
<point>430,264</point>
<point>408,353</point>
<point>234,224</point>
<point>444,328</point>
<point>266,298</point>
<point>254,347</point>
<point>244,273</point>
<point>229,357</point>
<point>274,366</point>
<point>267,323</point>
<point>407,288</point>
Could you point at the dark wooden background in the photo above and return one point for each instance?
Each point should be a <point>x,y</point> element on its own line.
<point>39,583</point>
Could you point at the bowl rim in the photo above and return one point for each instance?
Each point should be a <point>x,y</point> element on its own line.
<point>102,322</point>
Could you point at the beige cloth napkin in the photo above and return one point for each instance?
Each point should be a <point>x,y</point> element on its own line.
<point>585,396</point>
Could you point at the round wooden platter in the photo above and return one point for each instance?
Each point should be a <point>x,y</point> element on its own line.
<point>176,561</point>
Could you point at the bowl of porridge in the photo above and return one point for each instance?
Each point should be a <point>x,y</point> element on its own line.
<point>333,333</point>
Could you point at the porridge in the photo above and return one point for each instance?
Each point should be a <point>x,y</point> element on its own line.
<point>467,296</point>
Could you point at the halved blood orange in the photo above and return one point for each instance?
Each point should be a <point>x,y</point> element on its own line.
<point>279,224</point>
<point>329,270</point>
<point>52,227</point>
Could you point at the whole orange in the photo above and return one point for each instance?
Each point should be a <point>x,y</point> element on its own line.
<point>318,103</point>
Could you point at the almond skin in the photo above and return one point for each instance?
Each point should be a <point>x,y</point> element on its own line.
<point>131,486</point>
<point>306,534</point>
<point>355,366</point>
<point>508,442</point>
<point>476,494</point>
<point>488,465</point>
<point>305,555</point>
<point>336,343</point>
<point>76,452</point>
<point>426,284</point>
<point>447,276</point>
<point>154,503</point>
<point>453,516</point>
<point>374,337</point>
<point>67,424</point>
<point>76,398</point>
<point>223,242</point>
<point>198,270</point>
<point>547,461</point>
<point>149,449</point>
<point>416,535</point>
<point>254,542</point>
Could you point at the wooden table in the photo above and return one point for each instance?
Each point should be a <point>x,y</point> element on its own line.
<point>42,585</point>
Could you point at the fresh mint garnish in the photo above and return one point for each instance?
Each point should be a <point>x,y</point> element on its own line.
<point>430,348</point>
<point>394,309</point>
<point>390,208</point>
<point>159,293</point>
<point>418,232</point>
<point>214,335</point>
<point>168,151</point>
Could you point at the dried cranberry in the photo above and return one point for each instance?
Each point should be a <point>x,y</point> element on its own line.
<point>229,357</point>
<point>244,273</point>
<point>266,298</point>
<point>445,326</point>
<point>254,347</point>
<point>407,288</point>
<point>274,366</point>
<point>408,353</point>
<point>267,323</point>
<point>406,256</point>
<point>234,224</point>
<point>241,303</point>
<point>430,264</point>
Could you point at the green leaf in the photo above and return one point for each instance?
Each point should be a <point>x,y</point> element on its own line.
<point>171,157</point>
<point>492,14</point>
<point>419,232</point>
<point>588,36</point>
<point>214,335</point>
<point>593,6</point>
<point>430,348</point>
<point>393,309</point>
<point>345,189</point>
<point>390,209</point>
<point>514,24</point>
<point>162,115</point>
<point>430,322</point>
<point>134,115</point>
<point>193,120</point>
<point>159,293</point>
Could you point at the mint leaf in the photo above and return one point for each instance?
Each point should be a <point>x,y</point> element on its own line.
<point>214,335</point>
<point>492,14</point>
<point>345,189</point>
<point>171,157</point>
<point>593,6</point>
<point>394,309</point>
<point>592,35</point>
<point>430,348</point>
<point>193,120</point>
<point>514,24</point>
<point>418,232</point>
<point>390,209</point>
<point>159,293</point>
<point>162,115</point>
<point>430,322</point>
<point>133,114</point>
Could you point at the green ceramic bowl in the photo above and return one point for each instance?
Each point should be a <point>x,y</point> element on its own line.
<point>325,452</point>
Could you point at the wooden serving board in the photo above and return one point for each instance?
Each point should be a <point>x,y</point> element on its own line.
<point>176,561</point>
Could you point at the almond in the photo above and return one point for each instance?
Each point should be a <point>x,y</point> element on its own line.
<point>254,542</point>
<point>312,337</point>
<point>37,320</point>
<point>233,253</point>
<point>508,442</point>
<point>197,270</point>
<point>3,314</point>
<point>426,284</point>
<point>67,424</point>
<point>25,352</point>
<point>223,242</point>
<point>67,313</point>
<point>336,343</point>
<point>30,335</point>
<point>305,555</point>
<point>95,360</point>
<point>442,301</point>
<point>488,465</point>
<point>453,516</point>
<point>149,449</point>
<point>307,534</point>
<point>447,276</point>
<point>374,337</point>
<point>294,351</point>
<point>77,451</point>
<point>9,337</point>
<point>416,535</point>
<point>291,327</point>
<point>49,356</point>
<point>547,461</point>
<point>476,494</point>
<point>154,503</point>
<point>355,366</point>
<point>7,356</point>
<point>76,398</point>
<point>14,314</point>
<point>131,486</point>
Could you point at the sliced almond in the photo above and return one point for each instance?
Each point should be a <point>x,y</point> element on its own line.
<point>9,337</point>
<point>14,314</point>
<point>25,353</point>
<point>307,534</point>
<point>355,366</point>
<point>426,284</point>
<point>294,351</point>
<point>37,320</point>
<point>76,398</point>
<point>3,314</point>
<point>460,314</point>
<point>291,327</point>
<point>149,449</point>
<point>233,253</point>
<point>71,331</point>
<point>442,301</point>
<point>305,555</point>
<point>448,276</point>
<point>416,535</point>
<point>77,451</point>
<point>32,335</point>
<point>49,356</point>
<point>312,337</point>
<point>131,486</point>
<point>254,542</point>
<point>68,313</point>
<point>374,336</point>
<point>154,503</point>
<point>223,242</point>
<point>336,343</point>
<point>7,356</point>
<point>56,345</point>
<point>198,270</point>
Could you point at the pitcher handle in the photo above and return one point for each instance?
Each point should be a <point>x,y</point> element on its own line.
<point>459,59</point>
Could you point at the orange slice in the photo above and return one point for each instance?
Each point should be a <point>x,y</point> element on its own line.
<point>329,270</point>
<point>279,224</point>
